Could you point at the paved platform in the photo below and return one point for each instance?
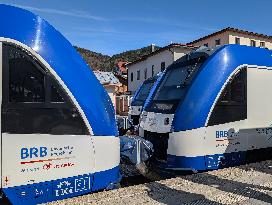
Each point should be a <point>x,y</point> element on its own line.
<point>247,184</point>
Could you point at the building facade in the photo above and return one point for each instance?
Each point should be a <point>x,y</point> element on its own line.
<point>153,63</point>
<point>121,69</point>
<point>234,36</point>
<point>116,87</point>
<point>110,83</point>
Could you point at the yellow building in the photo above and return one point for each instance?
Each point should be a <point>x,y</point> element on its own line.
<point>234,36</point>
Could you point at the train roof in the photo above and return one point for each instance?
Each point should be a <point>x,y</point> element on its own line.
<point>19,25</point>
<point>152,79</point>
<point>201,51</point>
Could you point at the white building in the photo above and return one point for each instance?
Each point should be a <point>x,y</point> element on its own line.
<point>153,63</point>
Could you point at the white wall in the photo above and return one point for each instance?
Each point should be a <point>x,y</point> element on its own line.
<point>167,56</point>
<point>164,56</point>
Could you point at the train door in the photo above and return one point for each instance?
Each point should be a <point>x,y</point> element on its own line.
<point>47,151</point>
<point>224,142</point>
<point>259,112</point>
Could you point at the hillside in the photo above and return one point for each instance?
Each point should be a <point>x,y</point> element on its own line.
<point>98,61</point>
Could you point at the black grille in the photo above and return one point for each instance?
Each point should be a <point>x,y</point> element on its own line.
<point>160,144</point>
<point>135,119</point>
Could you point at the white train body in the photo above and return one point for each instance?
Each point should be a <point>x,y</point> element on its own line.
<point>224,116</point>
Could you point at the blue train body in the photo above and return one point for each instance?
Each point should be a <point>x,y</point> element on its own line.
<point>139,98</point>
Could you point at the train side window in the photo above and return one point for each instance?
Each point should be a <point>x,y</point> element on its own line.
<point>26,79</point>
<point>232,104</point>
<point>33,100</point>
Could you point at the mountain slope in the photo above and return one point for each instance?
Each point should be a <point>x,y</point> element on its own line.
<point>98,61</point>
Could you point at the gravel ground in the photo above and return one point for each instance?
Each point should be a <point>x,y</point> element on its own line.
<point>247,184</point>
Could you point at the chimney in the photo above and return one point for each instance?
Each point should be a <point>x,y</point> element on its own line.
<point>152,48</point>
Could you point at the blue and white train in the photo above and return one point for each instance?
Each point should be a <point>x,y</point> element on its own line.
<point>139,98</point>
<point>211,109</point>
<point>57,119</point>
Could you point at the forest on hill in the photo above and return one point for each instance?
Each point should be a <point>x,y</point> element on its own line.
<point>98,61</point>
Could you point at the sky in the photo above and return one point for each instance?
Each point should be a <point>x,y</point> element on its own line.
<point>114,26</point>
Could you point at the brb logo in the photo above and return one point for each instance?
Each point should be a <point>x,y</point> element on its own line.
<point>219,134</point>
<point>33,152</point>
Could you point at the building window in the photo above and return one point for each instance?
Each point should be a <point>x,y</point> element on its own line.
<point>153,70</point>
<point>131,76</point>
<point>262,44</point>
<point>138,75</point>
<point>237,40</point>
<point>162,66</point>
<point>253,43</point>
<point>145,73</point>
<point>232,104</point>
<point>206,45</point>
<point>217,42</point>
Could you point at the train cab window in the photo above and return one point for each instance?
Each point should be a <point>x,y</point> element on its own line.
<point>26,79</point>
<point>33,101</point>
<point>56,95</point>
<point>232,104</point>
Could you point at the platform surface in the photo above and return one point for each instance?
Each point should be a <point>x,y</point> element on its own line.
<point>247,184</point>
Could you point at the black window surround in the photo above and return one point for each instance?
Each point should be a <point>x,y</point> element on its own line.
<point>145,73</point>
<point>138,75</point>
<point>162,66</point>
<point>253,43</point>
<point>237,40</point>
<point>232,103</point>
<point>49,81</point>
<point>152,70</point>
<point>131,76</point>
<point>218,42</point>
<point>52,113</point>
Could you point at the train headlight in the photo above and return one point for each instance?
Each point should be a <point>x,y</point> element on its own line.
<point>143,117</point>
<point>166,121</point>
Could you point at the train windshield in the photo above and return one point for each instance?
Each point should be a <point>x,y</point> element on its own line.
<point>173,87</point>
<point>143,93</point>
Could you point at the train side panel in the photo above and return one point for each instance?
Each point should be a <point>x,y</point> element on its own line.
<point>40,167</point>
<point>232,143</point>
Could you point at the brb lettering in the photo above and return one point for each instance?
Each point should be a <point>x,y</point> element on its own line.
<point>33,152</point>
<point>46,158</point>
<point>228,134</point>
<point>219,134</point>
<point>40,152</point>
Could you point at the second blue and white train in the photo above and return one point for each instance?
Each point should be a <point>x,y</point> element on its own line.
<point>211,109</point>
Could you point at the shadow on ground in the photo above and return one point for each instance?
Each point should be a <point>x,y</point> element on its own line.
<point>243,189</point>
<point>166,195</point>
